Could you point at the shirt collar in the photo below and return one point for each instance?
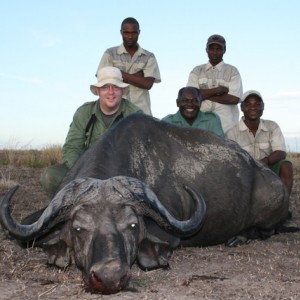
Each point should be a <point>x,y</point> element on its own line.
<point>121,50</point>
<point>243,126</point>
<point>97,111</point>
<point>179,119</point>
<point>219,66</point>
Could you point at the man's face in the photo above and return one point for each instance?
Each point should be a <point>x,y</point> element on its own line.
<point>130,34</point>
<point>252,108</point>
<point>215,53</point>
<point>189,104</point>
<point>110,98</point>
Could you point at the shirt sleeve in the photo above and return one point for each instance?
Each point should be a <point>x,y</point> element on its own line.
<point>235,86</point>
<point>167,119</point>
<point>193,80</point>
<point>152,69</point>
<point>105,61</point>
<point>75,141</point>
<point>277,139</point>
<point>217,126</point>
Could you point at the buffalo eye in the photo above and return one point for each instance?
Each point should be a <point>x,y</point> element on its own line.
<point>77,229</point>
<point>133,226</point>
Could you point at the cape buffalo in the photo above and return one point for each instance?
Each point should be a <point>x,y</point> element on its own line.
<point>144,158</point>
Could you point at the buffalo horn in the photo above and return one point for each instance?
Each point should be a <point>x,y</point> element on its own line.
<point>180,227</point>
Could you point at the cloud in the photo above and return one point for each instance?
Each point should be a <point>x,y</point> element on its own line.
<point>26,79</point>
<point>50,43</point>
<point>46,40</point>
<point>291,95</point>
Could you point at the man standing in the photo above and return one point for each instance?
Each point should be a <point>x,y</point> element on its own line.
<point>138,66</point>
<point>220,84</point>
<point>189,115</point>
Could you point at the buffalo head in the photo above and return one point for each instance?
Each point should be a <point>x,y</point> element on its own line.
<point>104,226</point>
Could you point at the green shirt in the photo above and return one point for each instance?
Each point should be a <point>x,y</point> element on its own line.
<point>79,139</point>
<point>205,120</point>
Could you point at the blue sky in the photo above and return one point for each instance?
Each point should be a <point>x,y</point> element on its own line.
<point>50,51</point>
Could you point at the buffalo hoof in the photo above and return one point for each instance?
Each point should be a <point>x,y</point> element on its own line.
<point>237,240</point>
<point>287,226</point>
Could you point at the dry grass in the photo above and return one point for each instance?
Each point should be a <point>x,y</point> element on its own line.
<point>5,179</point>
<point>294,158</point>
<point>31,158</point>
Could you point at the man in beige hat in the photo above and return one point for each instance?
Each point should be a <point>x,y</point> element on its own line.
<point>220,84</point>
<point>90,121</point>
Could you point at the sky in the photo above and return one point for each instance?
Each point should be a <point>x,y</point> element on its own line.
<point>50,50</point>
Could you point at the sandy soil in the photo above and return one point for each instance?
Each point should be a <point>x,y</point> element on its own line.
<point>267,269</point>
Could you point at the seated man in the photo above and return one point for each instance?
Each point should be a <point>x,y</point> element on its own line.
<point>263,139</point>
<point>90,121</point>
<point>189,114</point>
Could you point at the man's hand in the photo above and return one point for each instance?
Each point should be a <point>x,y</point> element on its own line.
<point>222,90</point>
<point>139,73</point>
<point>138,79</point>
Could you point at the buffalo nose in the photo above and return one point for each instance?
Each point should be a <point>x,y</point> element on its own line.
<point>107,284</point>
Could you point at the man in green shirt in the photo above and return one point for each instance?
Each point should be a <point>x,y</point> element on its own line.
<point>90,121</point>
<point>189,115</point>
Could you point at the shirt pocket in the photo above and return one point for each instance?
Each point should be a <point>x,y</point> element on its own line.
<point>264,146</point>
<point>264,149</point>
<point>222,82</point>
<point>120,65</point>
<point>203,83</point>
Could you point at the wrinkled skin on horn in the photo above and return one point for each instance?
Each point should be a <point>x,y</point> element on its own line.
<point>100,224</point>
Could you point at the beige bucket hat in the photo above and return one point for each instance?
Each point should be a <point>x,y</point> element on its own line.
<point>108,75</point>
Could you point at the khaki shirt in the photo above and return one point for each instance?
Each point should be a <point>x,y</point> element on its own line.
<point>207,76</point>
<point>267,139</point>
<point>142,60</point>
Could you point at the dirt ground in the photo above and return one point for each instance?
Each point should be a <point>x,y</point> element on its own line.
<point>267,269</point>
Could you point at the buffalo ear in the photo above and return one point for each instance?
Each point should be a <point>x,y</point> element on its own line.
<point>155,248</point>
<point>58,254</point>
<point>153,253</point>
<point>58,248</point>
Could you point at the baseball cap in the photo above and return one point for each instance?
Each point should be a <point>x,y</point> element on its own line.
<point>216,39</point>
<point>251,92</point>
